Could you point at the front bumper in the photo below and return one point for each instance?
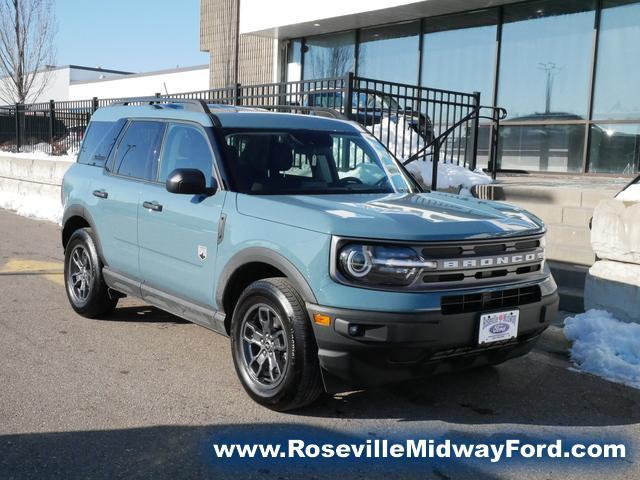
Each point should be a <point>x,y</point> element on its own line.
<point>393,347</point>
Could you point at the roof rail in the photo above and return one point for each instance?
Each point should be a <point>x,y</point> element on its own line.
<point>319,111</point>
<point>192,104</point>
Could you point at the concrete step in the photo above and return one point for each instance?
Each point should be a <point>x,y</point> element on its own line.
<point>570,254</point>
<point>571,299</point>
<point>577,216</point>
<point>561,235</point>
<point>569,275</point>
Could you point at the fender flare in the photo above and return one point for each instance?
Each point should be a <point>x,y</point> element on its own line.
<point>270,257</point>
<point>80,211</point>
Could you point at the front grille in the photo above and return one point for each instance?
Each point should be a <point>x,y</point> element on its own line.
<point>480,302</point>
<point>481,262</point>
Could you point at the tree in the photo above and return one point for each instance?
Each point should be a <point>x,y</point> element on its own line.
<point>27,33</point>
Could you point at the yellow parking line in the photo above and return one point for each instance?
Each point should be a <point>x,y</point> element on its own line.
<point>52,271</point>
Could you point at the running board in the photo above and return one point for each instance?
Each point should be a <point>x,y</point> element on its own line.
<point>200,314</point>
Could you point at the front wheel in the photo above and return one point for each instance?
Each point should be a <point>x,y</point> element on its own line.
<point>88,294</point>
<point>274,351</point>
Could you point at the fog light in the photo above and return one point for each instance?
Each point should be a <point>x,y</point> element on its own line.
<point>324,320</point>
<point>356,330</point>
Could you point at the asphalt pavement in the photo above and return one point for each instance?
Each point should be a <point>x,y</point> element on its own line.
<point>144,394</point>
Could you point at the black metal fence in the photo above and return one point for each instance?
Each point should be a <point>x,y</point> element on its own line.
<point>415,123</point>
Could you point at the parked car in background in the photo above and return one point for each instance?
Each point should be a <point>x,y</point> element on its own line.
<point>370,108</point>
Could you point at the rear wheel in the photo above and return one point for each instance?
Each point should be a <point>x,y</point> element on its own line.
<point>274,351</point>
<point>88,294</point>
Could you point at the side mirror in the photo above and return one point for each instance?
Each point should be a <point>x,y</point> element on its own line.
<point>189,181</point>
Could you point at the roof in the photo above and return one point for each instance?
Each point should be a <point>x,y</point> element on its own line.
<point>227,116</point>
<point>255,118</point>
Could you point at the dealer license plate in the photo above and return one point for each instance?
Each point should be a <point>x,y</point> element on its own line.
<point>498,326</point>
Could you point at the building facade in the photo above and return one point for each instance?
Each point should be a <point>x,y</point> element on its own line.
<point>566,71</point>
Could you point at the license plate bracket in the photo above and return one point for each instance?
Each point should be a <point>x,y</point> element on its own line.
<point>498,326</point>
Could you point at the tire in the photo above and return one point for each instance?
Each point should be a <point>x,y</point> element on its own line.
<point>94,301</point>
<point>297,369</point>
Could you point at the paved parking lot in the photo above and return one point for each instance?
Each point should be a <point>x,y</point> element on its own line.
<point>143,394</point>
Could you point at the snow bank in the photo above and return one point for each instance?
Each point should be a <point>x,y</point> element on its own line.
<point>450,175</point>
<point>38,155</point>
<point>41,205</point>
<point>605,346</point>
<point>630,194</point>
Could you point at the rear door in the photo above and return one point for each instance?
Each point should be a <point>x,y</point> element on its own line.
<point>132,165</point>
<point>178,234</point>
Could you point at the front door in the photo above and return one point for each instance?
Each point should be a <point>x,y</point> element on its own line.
<point>178,234</point>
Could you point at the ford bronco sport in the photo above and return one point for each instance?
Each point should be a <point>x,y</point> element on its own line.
<point>305,241</point>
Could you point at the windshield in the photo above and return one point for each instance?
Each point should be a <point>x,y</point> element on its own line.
<point>290,162</point>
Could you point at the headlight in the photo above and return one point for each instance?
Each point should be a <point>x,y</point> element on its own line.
<point>381,265</point>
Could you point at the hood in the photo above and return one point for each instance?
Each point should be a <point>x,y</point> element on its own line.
<point>416,216</point>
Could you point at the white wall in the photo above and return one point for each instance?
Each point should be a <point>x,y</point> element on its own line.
<point>59,80</point>
<point>187,80</point>
<point>256,15</point>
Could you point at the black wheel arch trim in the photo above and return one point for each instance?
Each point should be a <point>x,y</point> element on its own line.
<point>269,257</point>
<point>79,211</point>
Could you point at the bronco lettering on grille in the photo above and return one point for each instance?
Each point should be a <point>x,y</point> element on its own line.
<point>480,262</point>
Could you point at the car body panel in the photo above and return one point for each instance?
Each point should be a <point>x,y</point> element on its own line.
<point>411,217</point>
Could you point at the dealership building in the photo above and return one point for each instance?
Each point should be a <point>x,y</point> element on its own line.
<point>566,71</point>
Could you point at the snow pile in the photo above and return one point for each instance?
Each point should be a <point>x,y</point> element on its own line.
<point>605,346</point>
<point>450,175</point>
<point>33,154</point>
<point>630,194</point>
<point>403,142</point>
<point>28,204</point>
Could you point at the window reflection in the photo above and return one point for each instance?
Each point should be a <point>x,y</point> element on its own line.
<point>294,65</point>
<point>459,53</point>
<point>546,58</point>
<point>329,55</point>
<point>390,53</point>
<point>618,71</point>
<point>553,148</point>
<point>615,149</point>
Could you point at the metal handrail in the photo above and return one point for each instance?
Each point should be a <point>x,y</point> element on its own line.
<point>499,113</point>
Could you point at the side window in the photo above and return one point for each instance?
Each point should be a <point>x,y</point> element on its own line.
<point>139,150</point>
<point>98,142</point>
<point>186,146</point>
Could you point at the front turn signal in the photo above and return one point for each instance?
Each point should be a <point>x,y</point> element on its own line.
<point>324,320</point>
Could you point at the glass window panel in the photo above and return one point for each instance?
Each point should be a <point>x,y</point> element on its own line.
<point>551,148</point>
<point>390,53</point>
<point>615,148</point>
<point>139,149</point>
<point>459,53</point>
<point>617,95</point>
<point>294,61</point>
<point>329,55</point>
<point>545,59</point>
<point>186,146</point>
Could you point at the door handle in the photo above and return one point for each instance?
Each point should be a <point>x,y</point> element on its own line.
<point>155,206</point>
<point>100,194</point>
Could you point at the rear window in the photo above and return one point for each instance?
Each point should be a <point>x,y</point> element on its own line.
<point>98,142</point>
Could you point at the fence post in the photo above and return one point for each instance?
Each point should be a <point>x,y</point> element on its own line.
<point>52,112</point>
<point>347,103</point>
<point>237,91</point>
<point>435,159</point>
<point>94,104</point>
<point>476,122</point>
<point>494,145</point>
<point>17,127</point>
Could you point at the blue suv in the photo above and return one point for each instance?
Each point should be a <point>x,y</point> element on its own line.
<point>302,239</point>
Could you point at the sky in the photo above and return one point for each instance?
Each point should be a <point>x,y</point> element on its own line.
<point>130,35</point>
